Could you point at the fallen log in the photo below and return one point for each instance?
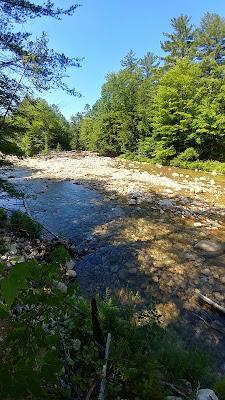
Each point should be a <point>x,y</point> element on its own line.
<point>212,303</point>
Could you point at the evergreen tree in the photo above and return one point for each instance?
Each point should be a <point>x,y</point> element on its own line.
<point>130,61</point>
<point>24,62</point>
<point>148,64</point>
<point>180,43</point>
<point>211,38</point>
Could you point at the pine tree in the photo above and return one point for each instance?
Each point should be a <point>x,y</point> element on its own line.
<point>130,61</point>
<point>211,38</point>
<point>148,64</point>
<point>24,62</point>
<point>180,43</point>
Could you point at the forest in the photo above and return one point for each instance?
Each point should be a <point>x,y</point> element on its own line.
<point>169,109</point>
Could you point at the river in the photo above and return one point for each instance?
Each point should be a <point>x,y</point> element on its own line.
<point>135,227</point>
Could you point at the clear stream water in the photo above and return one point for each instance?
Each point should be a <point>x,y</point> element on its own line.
<point>137,250</point>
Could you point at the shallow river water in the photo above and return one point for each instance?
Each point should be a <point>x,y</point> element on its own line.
<point>145,252</point>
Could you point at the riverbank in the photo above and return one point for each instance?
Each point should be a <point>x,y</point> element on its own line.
<point>206,166</point>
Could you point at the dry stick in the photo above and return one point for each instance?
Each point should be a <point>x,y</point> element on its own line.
<point>104,370</point>
<point>91,389</point>
<point>208,324</point>
<point>175,389</point>
<point>212,303</point>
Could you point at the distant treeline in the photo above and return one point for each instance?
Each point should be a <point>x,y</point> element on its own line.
<point>170,109</point>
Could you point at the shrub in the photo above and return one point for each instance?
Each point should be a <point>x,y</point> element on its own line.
<point>9,188</point>
<point>3,216</point>
<point>190,154</point>
<point>219,388</point>
<point>50,349</point>
<point>146,147</point>
<point>25,225</point>
<point>2,247</point>
<point>59,254</point>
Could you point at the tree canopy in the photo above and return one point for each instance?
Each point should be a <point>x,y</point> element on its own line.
<point>168,109</point>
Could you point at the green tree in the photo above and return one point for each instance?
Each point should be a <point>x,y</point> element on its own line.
<point>180,43</point>
<point>174,108</point>
<point>130,61</point>
<point>119,100</point>
<point>39,127</point>
<point>75,125</point>
<point>208,135</point>
<point>148,64</point>
<point>27,65</point>
<point>211,38</point>
<point>87,136</point>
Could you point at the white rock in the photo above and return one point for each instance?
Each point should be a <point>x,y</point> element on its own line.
<point>70,264</point>
<point>210,247</point>
<point>206,394</point>
<point>132,202</point>
<point>62,287</point>
<point>197,224</point>
<point>71,273</point>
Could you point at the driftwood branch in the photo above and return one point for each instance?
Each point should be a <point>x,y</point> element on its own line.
<point>212,303</point>
<point>175,390</point>
<point>104,370</point>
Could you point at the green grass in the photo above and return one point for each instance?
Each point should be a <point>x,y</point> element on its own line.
<point>10,189</point>
<point>25,225</point>
<point>207,166</point>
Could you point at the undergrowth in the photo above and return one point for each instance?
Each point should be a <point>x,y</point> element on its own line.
<point>207,166</point>
<point>51,349</point>
<point>20,223</point>
<point>25,225</point>
<point>10,189</point>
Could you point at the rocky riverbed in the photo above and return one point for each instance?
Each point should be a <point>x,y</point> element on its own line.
<point>149,232</point>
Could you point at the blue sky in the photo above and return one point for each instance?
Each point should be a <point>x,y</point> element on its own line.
<point>103,31</point>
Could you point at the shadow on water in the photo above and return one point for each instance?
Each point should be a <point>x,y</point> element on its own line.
<point>135,250</point>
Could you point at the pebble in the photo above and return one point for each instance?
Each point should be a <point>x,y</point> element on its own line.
<point>210,247</point>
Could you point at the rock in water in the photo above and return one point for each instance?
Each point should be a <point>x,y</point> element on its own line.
<point>71,273</point>
<point>209,247</point>
<point>206,394</point>
<point>70,264</point>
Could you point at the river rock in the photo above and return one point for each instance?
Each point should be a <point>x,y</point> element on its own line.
<point>71,273</point>
<point>70,264</point>
<point>132,202</point>
<point>206,394</point>
<point>62,287</point>
<point>166,203</point>
<point>210,247</point>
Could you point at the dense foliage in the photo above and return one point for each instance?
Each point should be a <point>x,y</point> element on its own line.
<point>168,109</point>
<point>27,64</point>
<point>50,348</point>
<point>39,127</point>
